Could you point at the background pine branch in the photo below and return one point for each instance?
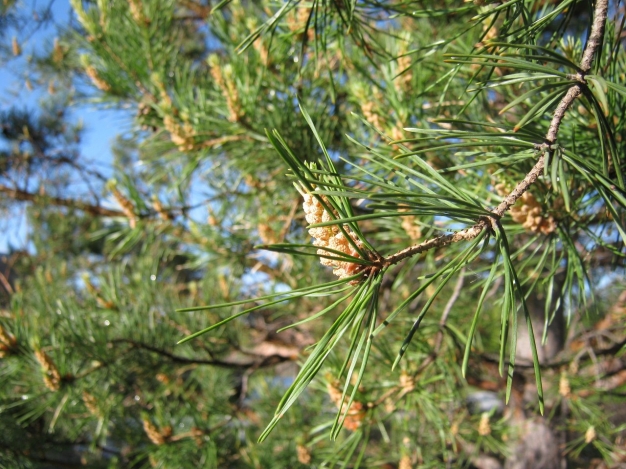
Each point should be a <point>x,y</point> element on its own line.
<point>465,158</point>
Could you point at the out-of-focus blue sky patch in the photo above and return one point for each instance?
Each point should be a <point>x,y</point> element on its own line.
<point>101,126</point>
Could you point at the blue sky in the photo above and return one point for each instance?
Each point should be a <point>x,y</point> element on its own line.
<point>101,125</point>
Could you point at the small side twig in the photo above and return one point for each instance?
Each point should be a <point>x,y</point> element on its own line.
<point>267,361</point>
<point>448,308</point>
<point>442,322</point>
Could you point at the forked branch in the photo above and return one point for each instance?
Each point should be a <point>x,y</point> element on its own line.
<point>593,44</point>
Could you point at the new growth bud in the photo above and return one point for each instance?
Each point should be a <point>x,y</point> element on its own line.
<point>126,205</point>
<point>83,17</point>
<point>402,83</point>
<point>564,386</point>
<point>156,435</point>
<point>95,78</point>
<point>181,135</point>
<point>57,52</point>
<point>17,49</point>
<point>136,11</point>
<point>52,377</point>
<point>90,70</point>
<point>91,404</point>
<point>484,428</point>
<point>7,342</point>
<point>224,78</point>
<point>405,462</point>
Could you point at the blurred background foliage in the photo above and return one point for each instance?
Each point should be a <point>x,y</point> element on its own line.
<point>90,372</point>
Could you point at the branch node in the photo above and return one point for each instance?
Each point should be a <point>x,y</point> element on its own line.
<point>490,222</point>
<point>580,77</point>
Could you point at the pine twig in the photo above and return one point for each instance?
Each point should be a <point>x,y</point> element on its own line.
<point>593,44</point>
<point>265,362</point>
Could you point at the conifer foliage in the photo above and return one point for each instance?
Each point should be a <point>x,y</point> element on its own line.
<point>334,234</point>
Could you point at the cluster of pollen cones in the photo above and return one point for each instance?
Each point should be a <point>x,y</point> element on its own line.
<point>330,237</point>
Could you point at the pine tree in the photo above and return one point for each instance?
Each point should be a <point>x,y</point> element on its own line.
<point>383,234</point>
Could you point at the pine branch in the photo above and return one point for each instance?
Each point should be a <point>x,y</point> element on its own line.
<point>558,364</point>
<point>96,210</point>
<point>266,361</point>
<point>25,196</point>
<point>593,44</point>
